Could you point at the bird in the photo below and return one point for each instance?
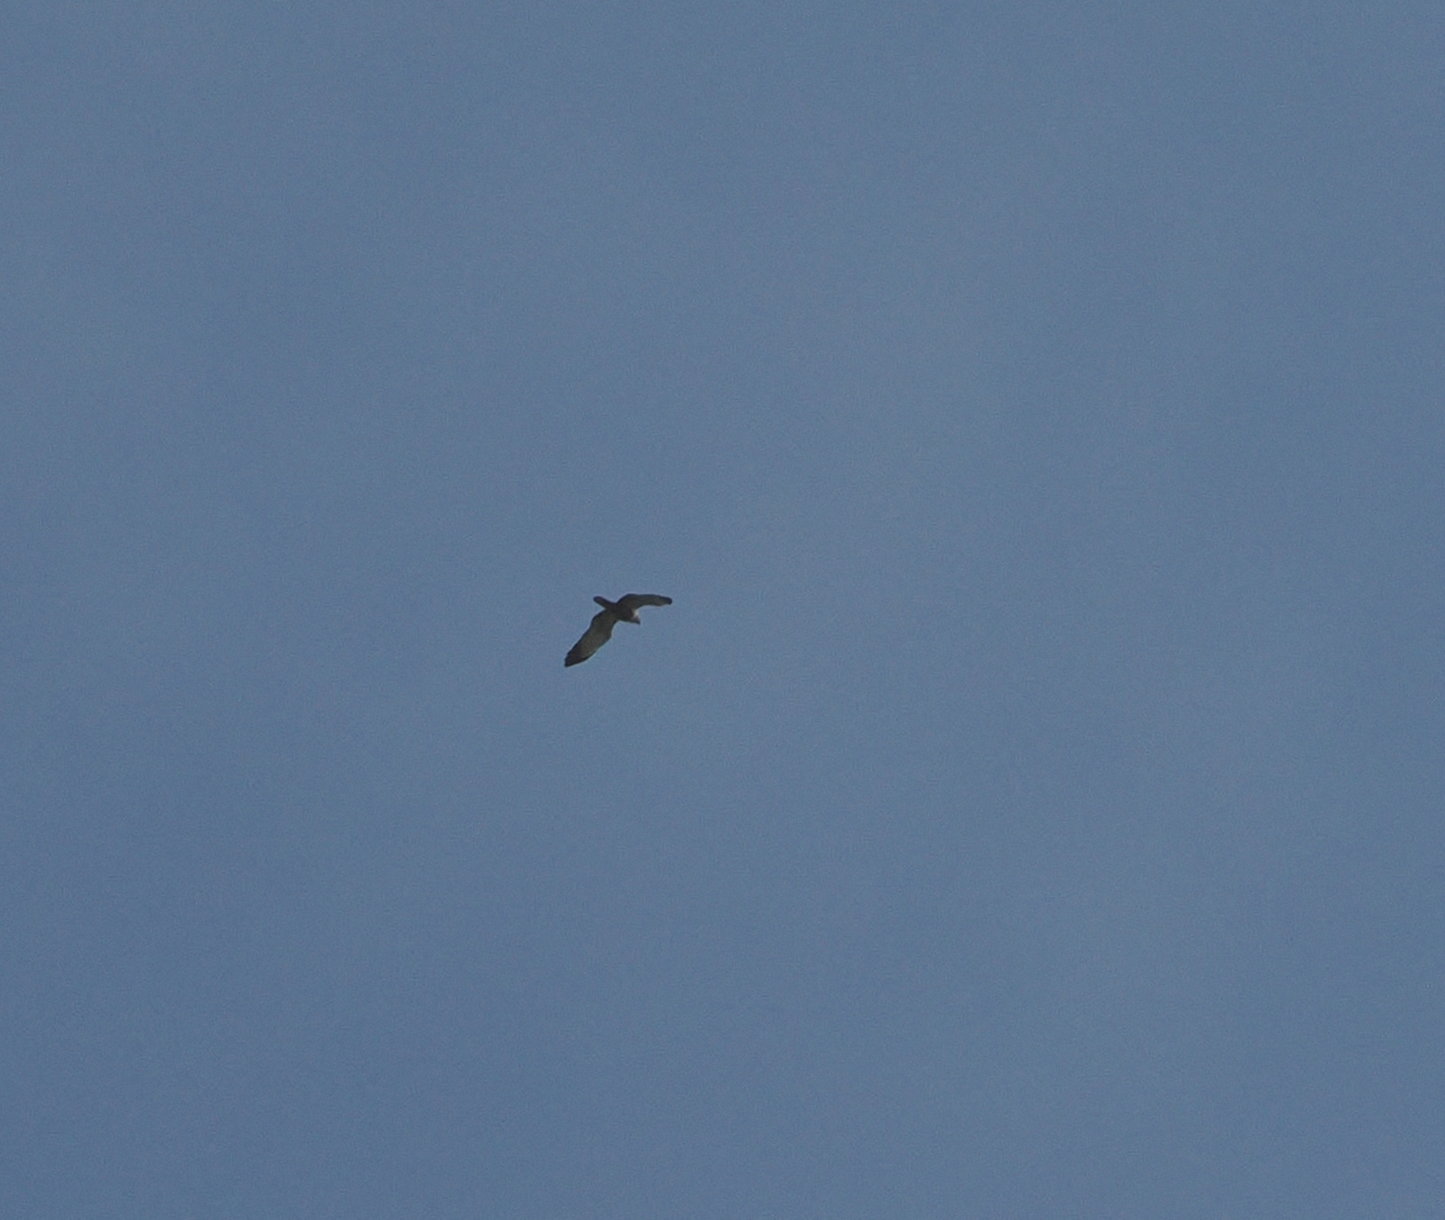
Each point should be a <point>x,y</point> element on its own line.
<point>623,610</point>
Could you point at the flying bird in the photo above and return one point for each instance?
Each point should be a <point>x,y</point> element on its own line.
<point>623,610</point>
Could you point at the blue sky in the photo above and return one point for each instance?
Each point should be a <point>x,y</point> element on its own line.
<point>1031,804</point>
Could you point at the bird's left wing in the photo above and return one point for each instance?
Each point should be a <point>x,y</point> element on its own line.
<point>597,634</point>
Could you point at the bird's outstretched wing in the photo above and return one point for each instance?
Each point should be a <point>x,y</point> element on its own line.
<point>593,638</point>
<point>632,600</point>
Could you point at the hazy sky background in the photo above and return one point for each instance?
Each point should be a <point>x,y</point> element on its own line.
<point>1032,804</point>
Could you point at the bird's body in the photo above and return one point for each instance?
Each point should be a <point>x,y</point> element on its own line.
<point>623,610</point>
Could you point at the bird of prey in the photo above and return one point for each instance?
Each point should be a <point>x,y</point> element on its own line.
<point>623,610</point>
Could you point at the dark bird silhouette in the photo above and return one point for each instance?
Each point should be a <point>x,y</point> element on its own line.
<point>623,610</point>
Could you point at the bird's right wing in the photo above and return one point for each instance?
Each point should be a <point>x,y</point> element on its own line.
<point>593,638</point>
<point>633,600</point>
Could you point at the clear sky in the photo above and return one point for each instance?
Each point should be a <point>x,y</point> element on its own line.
<point>1031,806</point>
